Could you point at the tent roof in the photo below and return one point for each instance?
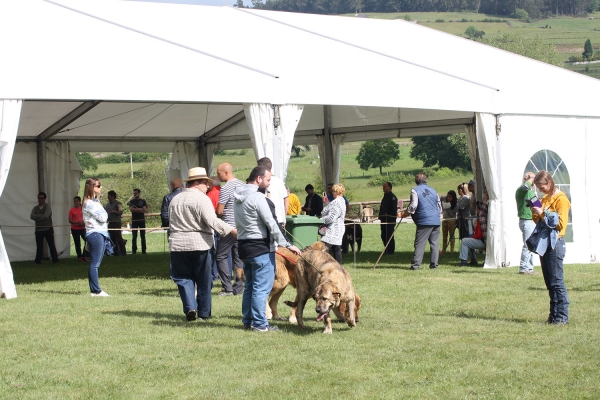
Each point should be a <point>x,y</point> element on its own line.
<point>173,70</point>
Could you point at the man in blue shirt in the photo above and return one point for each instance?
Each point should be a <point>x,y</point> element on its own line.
<point>426,209</point>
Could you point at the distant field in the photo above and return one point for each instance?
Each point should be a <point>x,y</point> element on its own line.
<point>301,172</point>
<point>568,34</point>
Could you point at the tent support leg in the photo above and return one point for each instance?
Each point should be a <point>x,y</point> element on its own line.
<point>328,177</point>
<point>41,166</point>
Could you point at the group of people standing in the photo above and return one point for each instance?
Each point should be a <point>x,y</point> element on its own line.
<point>245,222</point>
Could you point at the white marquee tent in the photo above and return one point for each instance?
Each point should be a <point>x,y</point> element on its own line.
<point>117,76</point>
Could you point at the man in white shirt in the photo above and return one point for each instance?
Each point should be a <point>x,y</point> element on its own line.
<point>277,192</point>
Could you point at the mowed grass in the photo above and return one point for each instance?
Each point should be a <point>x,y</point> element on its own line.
<point>455,332</point>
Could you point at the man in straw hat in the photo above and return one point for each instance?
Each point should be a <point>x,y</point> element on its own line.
<point>192,220</point>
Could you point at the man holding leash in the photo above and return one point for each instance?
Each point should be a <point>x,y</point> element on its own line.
<point>257,233</point>
<point>192,219</point>
<point>426,209</point>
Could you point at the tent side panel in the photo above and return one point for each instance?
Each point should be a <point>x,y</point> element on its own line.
<point>524,136</point>
<point>17,201</point>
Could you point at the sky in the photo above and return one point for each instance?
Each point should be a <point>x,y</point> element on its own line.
<point>202,2</point>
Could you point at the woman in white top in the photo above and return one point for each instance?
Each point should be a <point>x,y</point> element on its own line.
<point>333,218</point>
<point>96,227</point>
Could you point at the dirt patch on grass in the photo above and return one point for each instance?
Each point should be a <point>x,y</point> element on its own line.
<point>568,48</point>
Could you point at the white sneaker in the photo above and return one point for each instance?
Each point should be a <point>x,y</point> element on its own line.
<point>101,294</point>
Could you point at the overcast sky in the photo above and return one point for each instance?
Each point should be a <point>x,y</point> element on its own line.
<point>203,2</point>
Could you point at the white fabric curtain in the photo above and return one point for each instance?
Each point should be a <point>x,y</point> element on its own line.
<point>472,146</point>
<point>488,146</point>
<point>269,141</point>
<point>62,184</point>
<point>185,156</point>
<point>10,114</point>
<point>337,155</point>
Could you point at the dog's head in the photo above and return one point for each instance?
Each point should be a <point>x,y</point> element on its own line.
<point>327,297</point>
<point>318,246</point>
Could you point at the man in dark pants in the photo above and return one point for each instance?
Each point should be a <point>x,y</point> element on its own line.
<point>192,220</point>
<point>138,208</point>
<point>114,209</point>
<point>228,244</point>
<point>426,210</point>
<point>42,215</point>
<point>388,210</point>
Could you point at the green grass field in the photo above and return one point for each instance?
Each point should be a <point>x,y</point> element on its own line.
<point>456,332</point>
<point>567,33</point>
<point>301,172</point>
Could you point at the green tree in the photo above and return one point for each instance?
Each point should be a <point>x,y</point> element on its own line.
<point>533,48</point>
<point>448,151</point>
<point>588,50</point>
<point>151,179</point>
<point>378,154</point>
<point>239,4</point>
<point>87,162</point>
<point>473,33</point>
<point>298,149</point>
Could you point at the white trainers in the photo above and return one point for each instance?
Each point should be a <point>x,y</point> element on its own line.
<point>101,294</point>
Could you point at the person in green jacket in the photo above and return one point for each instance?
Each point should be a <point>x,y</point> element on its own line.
<point>526,224</point>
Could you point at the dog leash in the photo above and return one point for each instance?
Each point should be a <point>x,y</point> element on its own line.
<point>286,257</point>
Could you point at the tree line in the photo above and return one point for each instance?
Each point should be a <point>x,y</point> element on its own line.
<point>535,8</point>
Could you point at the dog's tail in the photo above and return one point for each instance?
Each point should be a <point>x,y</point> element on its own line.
<point>292,304</point>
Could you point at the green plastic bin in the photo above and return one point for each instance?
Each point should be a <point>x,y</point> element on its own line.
<point>302,229</point>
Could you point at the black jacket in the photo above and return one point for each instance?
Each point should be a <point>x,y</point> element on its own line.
<point>164,210</point>
<point>388,209</point>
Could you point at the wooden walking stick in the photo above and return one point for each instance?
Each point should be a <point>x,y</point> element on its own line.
<point>388,243</point>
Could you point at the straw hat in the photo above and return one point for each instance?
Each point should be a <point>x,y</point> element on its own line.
<point>196,173</point>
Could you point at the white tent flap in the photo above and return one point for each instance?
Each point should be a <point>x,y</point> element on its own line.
<point>272,129</point>
<point>10,114</point>
<point>488,146</point>
<point>184,157</point>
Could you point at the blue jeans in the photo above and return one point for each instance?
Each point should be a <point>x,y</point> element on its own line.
<point>191,271</point>
<point>468,247</point>
<point>552,268</point>
<point>527,226</point>
<point>96,244</point>
<point>260,274</point>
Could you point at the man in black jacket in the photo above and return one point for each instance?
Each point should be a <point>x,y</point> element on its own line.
<point>388,210</point>
<point>176,184</point>
<point>314,203</point>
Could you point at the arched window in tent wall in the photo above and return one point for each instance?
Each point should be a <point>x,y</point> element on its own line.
<point>547,160</point>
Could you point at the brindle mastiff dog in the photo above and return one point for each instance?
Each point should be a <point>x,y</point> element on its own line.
<point>318,275</point>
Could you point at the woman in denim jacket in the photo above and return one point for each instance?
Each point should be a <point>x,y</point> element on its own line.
<point>96,227</point>
<point>552,259</point>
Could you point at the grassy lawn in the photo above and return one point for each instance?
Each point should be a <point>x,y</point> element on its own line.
<point>457,332</point>
<point>567,33</point>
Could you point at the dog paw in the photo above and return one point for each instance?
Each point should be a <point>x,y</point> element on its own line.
<point>328,331</point>
<point>292,320</point>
